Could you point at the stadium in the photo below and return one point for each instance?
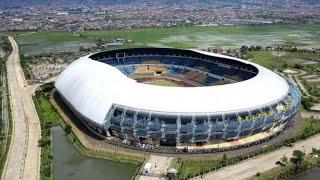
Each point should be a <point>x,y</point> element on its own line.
<point>174,97</point>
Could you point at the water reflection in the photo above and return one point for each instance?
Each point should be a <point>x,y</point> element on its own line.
<point>69,164</point>
<point>313,174</point>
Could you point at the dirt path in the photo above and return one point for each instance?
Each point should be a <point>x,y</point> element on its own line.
<point>24,155</point>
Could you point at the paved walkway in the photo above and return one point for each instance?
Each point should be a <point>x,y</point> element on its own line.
<point>24,156</point>
<point>310,114</point>
<point>159,167</point>
<point>301,86</point>
<point>261,163</point>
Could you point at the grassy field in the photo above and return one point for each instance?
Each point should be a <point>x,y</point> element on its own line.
<point>274,59</point>
<point>13,33</point>
<point>51,42</point>
<point>164,82</point>
<point>178,37</point>
<point>224,36</point>
<point>313,84</point>
<point>312,87</point>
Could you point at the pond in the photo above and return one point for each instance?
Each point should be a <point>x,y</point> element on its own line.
<point>69,164</point>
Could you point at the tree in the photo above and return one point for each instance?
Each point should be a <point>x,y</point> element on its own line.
<point>47,87</point>
<point>314,150</point>
<point>44,142</point>
<point>82,49</point>
<point>297,66</point>
<point>285,65</point>
<point>47,125</point>
<point>46,170</point>
<point>306,103</point>
<point>299,155</point>
<point>224,158</point>
<point>244,49</point>
<point>297,158</point>
<point>67,129</point>
<point>258,48</point>
<point>294,49</point>
<point>223,161</point>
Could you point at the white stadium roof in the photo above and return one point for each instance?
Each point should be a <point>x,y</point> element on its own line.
<point>92,87</point>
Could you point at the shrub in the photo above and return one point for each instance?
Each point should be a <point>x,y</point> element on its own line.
<point>306,103</point>
<point>67,129</point>
<point>44,142</point>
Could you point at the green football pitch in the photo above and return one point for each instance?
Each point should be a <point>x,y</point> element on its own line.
<point>164,82</point>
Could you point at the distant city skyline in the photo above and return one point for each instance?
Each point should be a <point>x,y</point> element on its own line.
<point>80,15</point>
<point>8,3</point>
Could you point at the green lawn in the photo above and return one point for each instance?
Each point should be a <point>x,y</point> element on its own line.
<point>266,59</point>
<point>313,84</point>
<point>190,168</point>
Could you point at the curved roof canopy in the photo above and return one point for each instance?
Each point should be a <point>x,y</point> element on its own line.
<point>92,87</point>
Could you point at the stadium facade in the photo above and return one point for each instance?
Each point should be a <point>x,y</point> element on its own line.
<point>229,98</point>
